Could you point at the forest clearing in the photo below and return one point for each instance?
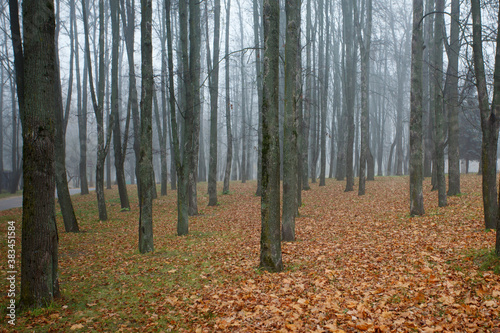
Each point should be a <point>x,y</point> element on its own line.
<point>360,263</point>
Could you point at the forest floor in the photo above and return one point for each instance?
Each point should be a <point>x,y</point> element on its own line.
<point>359,264</point>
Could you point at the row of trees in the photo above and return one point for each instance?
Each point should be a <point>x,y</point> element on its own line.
<point>347,44</point>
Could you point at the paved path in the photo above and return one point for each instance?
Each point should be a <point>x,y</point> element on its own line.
<point>14,202</point>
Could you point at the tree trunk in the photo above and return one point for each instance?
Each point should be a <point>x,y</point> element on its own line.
<point>115,110</point>
<point>290,148</point>
<point>82,112</point>
<point>229,155</point>
<point>194,102</point>
<point>364,45</point>
<point>214,99</point>
<point>128,22</point>
<point>182,205</point>
<point>39,261</point>
<point>438,96</point>
<point>416,149</point>
<point>307,106</point>
<point>323,72</point>
<point>145,162</point>
<point>452,102</point>
<point>258,60</point>
<point>349,82</point>
<point>244,126</point>
<point>490,122</point>
<point>270,240</point>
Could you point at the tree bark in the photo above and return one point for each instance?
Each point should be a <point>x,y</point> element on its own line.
<point>290,147</point>
<point>349,82</point>
<point>258,60</point>
<point>214,99</point>
<point>490,121</point>
<point>452,103</point>
<point>146,193</point>
<point>115,109</point>
<point>439,142</point>
<point>364,45</point>
<point>39,261</point>
<point>416,137</point>
<point>270,239</point>
<point>229,155</point>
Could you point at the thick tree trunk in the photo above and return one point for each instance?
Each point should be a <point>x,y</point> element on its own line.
<point>490,122</point>
<point>416,149</point>
<point>146,200</point>
<point>270,239</point>
<point>39,261</point>
<point>194,102</point>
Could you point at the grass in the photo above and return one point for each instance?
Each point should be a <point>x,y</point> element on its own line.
<point>6,194</point>
<point>354,253</point>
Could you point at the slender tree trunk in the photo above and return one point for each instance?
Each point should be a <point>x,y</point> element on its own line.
<point>323,85</point>
<point>452,102</point>
<point>82,112</point>
<point>128,22</point>
<point>98,102</point>
<point>349,79</point>
<point>182,205</point>
<point>146,200</point>
<point>229,156</point>
<point>438,96</point>
<point>64,198</point>
<point>270,239</point>
<point>39,261</point>
<point>416,149</point>
<point>115,110</point>
<point>258,61</point>
<point>214,99</point>
<point>365,44</point>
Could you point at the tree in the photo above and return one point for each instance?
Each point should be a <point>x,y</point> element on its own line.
<point>119,149</point>
<point>128,22</point>
<point>364,45</point>
<point>416,150</point>
<point>290,147</point>
<point>39,261</point>
<point>193,103</point>
<point>490,120</point>
<point>98,104</point>
<point>452,106</point>
<point>145,162</point>
<point>214,100</point>
<point>229,156</point>
<point>258,60</point>
<point>349,84</point>
<point>81,111</point>
<point>270,240</point>
<point>439,139</point>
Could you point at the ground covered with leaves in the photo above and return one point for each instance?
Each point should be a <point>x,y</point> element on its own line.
<point>359,264</point>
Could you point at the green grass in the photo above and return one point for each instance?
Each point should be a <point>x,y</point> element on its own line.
<point>6,194</point>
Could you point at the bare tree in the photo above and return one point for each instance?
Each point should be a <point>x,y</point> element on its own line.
<point>416,137</point>
<point>270,238</point>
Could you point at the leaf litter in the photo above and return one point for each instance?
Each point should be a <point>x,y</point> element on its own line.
<point>359,264</point>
